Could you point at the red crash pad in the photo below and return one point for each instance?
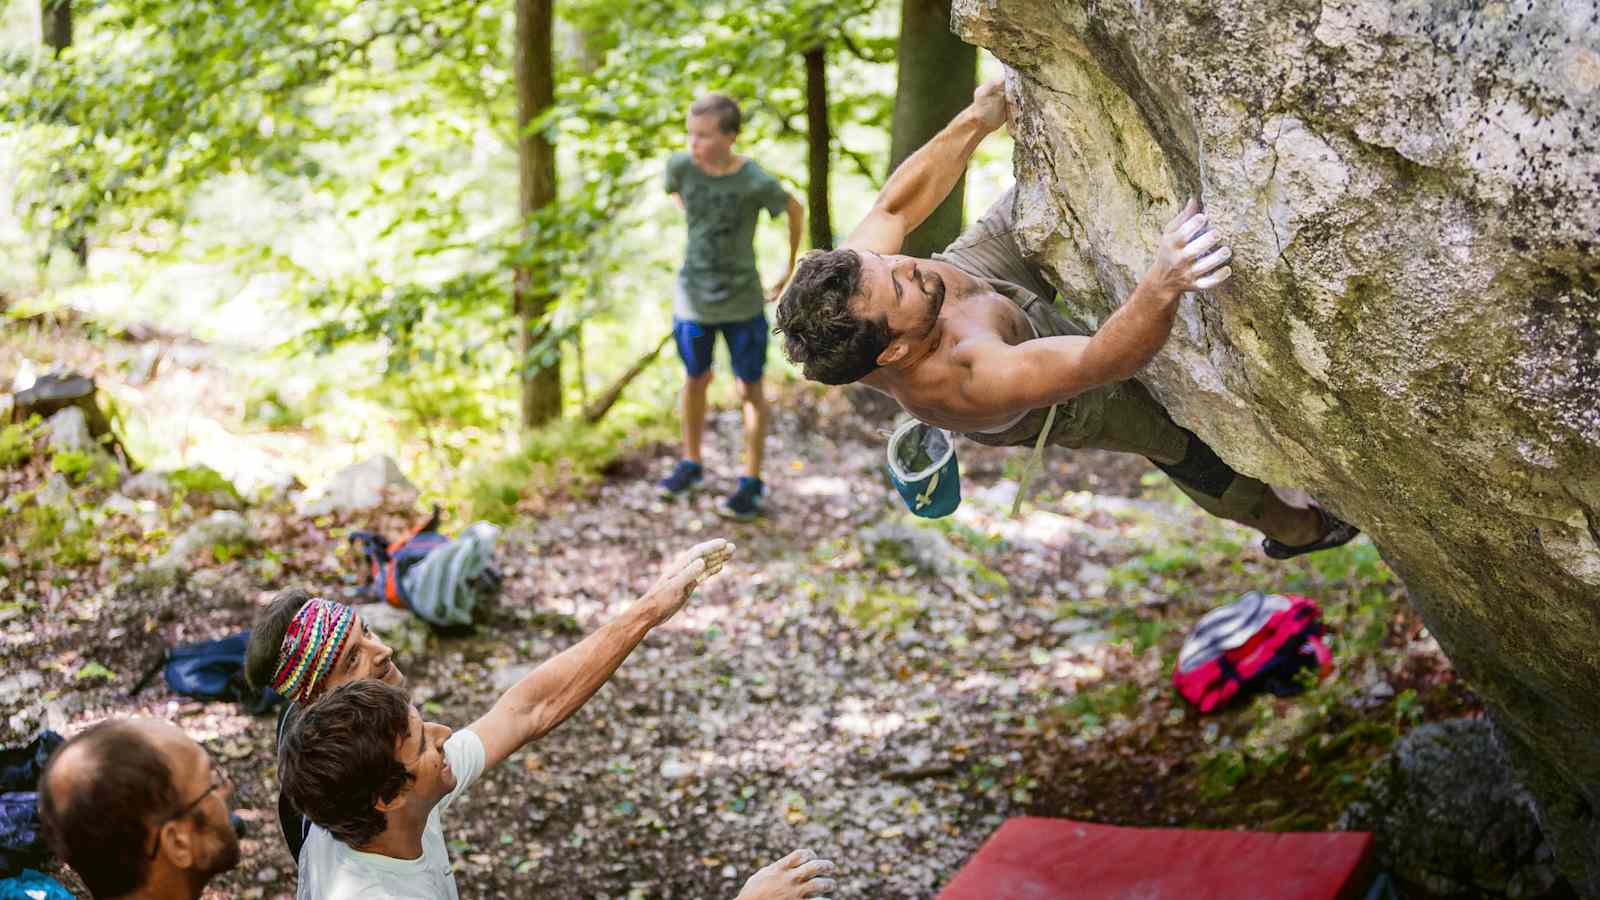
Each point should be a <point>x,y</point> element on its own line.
<point>1034,859</point>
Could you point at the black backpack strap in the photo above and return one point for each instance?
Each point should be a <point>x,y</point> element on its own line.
<point>375,545</point>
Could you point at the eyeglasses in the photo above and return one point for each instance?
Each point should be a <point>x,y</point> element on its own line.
<point>219,782</point>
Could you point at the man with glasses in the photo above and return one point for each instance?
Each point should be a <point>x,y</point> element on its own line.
<point>138,809</point>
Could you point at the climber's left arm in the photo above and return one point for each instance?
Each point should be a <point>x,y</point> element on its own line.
<point>927,176</point>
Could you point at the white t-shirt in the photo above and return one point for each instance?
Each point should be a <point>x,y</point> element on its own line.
<point>331,870</point>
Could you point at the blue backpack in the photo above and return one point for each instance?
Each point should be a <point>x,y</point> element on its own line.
<point>211,670</point>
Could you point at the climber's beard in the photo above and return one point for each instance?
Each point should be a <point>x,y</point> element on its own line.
<point>932,288</point>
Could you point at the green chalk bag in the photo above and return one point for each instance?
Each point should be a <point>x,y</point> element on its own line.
<point>922,465</point>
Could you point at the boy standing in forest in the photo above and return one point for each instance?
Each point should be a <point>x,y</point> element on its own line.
<point>719,289</point>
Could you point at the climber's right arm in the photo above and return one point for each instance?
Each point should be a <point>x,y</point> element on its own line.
<point>1009,379</point>
<point>927,176</point>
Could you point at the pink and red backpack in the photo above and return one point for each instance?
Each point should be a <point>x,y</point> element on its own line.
<point>1259,642</point>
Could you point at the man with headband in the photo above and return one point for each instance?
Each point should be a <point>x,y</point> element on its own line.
<point>303,648</point>
<point>375,777</point>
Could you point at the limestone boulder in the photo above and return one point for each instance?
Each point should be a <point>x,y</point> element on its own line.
<point>1412,194</point>
<point>359,487</point>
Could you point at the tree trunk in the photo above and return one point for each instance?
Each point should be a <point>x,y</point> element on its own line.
<point>55,29</point>
<point>55,20</point>
<point>819,140</point>
<point>533,290</point>
<point>936,77</point>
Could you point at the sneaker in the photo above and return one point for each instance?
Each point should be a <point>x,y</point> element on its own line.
<point>744,503</point>
<point>684,477</point>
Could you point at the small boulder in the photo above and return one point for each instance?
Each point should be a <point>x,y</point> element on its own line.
<point>406,634</point>
<point>221,527</point>
<point>54,492</point>
<point>1449,817</point>
<point>69,430</point>
<point>359,487</point>
<point>148,485</point>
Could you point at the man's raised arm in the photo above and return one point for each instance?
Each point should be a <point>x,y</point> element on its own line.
<point>927,176</point>
<point>545,697</point>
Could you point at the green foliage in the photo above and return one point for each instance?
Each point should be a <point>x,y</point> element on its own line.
<point>878,608</point>
<point>201,480</point>
<point>81,466</point>
<point>1097,706</point>
<point>92,671</point>
<point>54,533</point>
<point>566,456</point>
<point>17,442</point>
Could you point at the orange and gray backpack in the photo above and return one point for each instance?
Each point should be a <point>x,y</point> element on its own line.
<point>388,561</point>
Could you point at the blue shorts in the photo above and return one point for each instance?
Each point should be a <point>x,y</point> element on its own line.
<point>747,345</point>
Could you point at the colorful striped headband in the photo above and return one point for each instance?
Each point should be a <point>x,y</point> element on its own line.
<point>314,639</point>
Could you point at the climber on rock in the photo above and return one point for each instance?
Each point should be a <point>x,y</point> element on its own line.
<point>971,340</point>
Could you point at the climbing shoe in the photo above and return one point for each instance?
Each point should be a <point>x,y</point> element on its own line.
<point>1335,533</point>
<point>744,503</point>
<point>685,476</point>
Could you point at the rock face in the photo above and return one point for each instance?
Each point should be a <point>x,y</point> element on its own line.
<point>1450,818</point>
<point>1412,193</point>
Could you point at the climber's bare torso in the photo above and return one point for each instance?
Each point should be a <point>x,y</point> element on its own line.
<point>965,322</point>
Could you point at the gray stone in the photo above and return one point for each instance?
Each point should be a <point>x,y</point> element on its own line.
<point>359,487</point>
<point>18,686</point>
<point>148,485</point>
<point>406,634</point>
<point>221,527</point>
<point>54,492</point>
<point>1412,194</point>
<point>1448,815</point>
<point>69,430</point>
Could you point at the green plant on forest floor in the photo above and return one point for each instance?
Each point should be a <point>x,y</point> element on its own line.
<point>17,442</point>
<point>564,457</point>
<point>202,480</point>
<point>82,466</point>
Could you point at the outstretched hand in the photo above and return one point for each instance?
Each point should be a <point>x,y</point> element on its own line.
<point>683,574</point>
<point>1190,255</point>
<point>798,875</point>
<point>989,102</point>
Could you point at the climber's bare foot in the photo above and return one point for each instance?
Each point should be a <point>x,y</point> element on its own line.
<point>800,874</point>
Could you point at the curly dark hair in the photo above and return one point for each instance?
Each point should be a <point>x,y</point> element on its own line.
<point>100,824</point>
<point>266,636</point>
<point>339,759</point>
<point>830,343</point>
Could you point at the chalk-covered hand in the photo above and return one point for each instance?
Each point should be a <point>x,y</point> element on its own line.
<point>799,875</point>
<point>1190,256</point>
<point>989,103</point>
<point>683,574</point>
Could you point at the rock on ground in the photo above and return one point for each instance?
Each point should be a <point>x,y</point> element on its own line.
<point>1412,195</point>
<point>221,527</point>
<point>359,487</point>
<point>406,634</point>
<point>1449,817</point>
